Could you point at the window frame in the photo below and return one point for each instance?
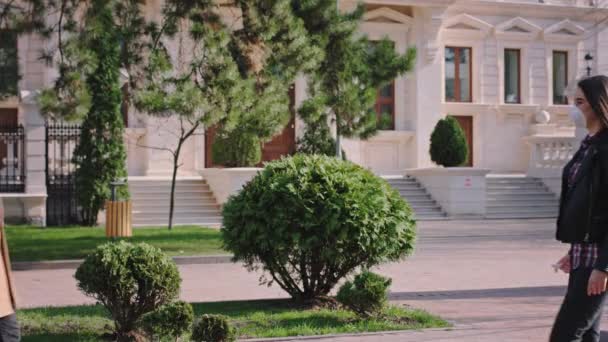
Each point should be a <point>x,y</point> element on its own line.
<point>11,71</point>
<point>519,93</point>
<point>457,90</point>
<point>565,53</point>
<point>386,100</point>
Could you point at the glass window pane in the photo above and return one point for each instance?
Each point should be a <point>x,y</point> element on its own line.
<point>464,69</point>
<point>512,76</point>
<point>450,74</point>
<point>386,109</point>
<point>9,63</point>
<point>387,91</point>
<point>560,77</point>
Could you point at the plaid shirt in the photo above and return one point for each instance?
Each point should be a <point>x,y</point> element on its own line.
<point>581,254</point>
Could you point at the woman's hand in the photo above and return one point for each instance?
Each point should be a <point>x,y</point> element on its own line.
<point>597,283</point>
<point>563,264</point>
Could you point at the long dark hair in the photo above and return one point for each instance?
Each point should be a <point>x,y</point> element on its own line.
<point>595,89</point>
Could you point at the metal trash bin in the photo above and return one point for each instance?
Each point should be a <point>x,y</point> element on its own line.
<point>118,215</point>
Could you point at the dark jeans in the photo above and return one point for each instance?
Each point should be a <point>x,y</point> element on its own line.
<point>9,329</point>
<point>579,318</point>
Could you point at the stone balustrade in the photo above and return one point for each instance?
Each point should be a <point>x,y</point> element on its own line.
<point>549,154</point>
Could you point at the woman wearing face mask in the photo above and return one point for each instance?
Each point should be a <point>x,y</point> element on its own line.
<point>583,221</point>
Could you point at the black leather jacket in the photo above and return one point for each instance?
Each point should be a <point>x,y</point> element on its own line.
<point>583,210</point>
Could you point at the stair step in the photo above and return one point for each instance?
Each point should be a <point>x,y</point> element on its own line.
<point>522,211</point>
<point>421,201</point>
<point>520,215</point>
<point>407,187</point>
<point>407,193</point>
<point>521,203</point>
<point>178,206</point>
<point>516,192</point>
<point>432,206</point>
<point>515,187</point>
<point>178,200</point>
<point>517,196</point>
<point>210,224</point>
<point>149,192</point>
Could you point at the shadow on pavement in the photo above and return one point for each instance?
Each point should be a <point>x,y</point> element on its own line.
<point>519,292</point>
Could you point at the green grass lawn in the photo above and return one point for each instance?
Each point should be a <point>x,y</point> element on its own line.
<point>36,244</point>
<point>267,318</point>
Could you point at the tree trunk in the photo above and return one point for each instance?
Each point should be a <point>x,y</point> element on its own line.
<point>182,139</point>
<point>173,179</point>
<point>338,142</point>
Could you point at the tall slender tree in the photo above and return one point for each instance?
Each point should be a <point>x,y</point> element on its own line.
<point>100,155</point>
<point>348,77</point>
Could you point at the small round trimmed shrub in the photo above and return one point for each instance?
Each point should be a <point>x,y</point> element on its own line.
<point>130,280</point>
<point>213,328</point>
<point>310,220</point>
<point>236,149</point>
<point>169,321</point>
<point>367,295</point>
<point>448,143</point>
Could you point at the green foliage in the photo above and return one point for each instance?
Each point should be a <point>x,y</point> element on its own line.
<point>448,143</point>
<point>100,154</point>
<point>385,122</point>
<point>169,320</point>
<point>9,63</point>
<point>213,328</point>
<point>353,68</point>
<point>236,149</point>
<point>367,295</point>
<point>310,220</point>
<point>130,280</point>
<point>317,137</point>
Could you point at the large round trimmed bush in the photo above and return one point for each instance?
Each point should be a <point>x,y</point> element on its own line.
<point>130,280</point>
<point>448,143</point>
<point>310,220</point>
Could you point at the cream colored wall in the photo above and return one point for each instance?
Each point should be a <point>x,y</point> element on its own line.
<point>500,129</point>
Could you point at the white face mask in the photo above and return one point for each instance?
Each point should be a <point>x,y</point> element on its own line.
<point>577,117</point>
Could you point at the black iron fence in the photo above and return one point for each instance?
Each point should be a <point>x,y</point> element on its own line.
<point>61,204</point>
<point>12,159</point>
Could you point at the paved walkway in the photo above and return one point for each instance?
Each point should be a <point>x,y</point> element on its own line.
<point>493,279</point>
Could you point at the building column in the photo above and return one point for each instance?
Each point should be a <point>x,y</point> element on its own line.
<point>35,159</point>
<point>427,79</point>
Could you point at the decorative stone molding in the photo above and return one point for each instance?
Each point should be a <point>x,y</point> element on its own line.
<point>466,108</point>
<point>542,117</point>
<point>518,29</point>
<point>564,32</point>
<point>465,25</point>
<point>387,15</point>
<point>433,27</point>
<point>29,96</point>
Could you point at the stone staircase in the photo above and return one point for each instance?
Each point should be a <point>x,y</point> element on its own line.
<point>424,206</point>
<point>519,197</point>
<point>194,202</point>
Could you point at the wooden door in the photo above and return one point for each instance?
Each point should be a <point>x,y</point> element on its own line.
<point>281,145</point>
<point>466,122</point>
<point>8,119</point>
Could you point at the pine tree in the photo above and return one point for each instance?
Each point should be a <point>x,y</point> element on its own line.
<point>198,92</point>
<point>448,143</point>
<point>352,70</point>
<point>100,155</point>
<point>271,49</point>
